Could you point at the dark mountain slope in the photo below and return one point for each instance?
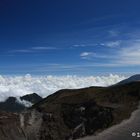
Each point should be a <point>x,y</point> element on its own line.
<point>133,78</point>
<point>33,98</point>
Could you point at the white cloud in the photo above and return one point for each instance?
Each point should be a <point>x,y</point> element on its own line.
<point>24,102</point>
<point>111,44</point>
<point>87,55</point>
<point>45,85</point>
<point>79,45</point>
<point>84,45</point>
<point>129,55</point>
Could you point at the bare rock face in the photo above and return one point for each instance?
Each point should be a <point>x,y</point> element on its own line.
<point>85,119</point>
<point>24,126</point>
<point>30,123</point>
<point>10,127</point>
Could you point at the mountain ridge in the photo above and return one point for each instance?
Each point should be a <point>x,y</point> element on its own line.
<point>133,78</point>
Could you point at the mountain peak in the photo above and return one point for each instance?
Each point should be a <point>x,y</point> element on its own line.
<point>33,98</point>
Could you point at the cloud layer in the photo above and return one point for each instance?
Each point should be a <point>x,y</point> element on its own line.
<point>45,85</point>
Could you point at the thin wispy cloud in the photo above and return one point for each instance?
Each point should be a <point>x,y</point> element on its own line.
<point>111,44</point>
<point>21,51</point>
<point>33,50</point>
<point>130,55</point>
<point>79,45</point>
<point>43,48</point>
<point>84,45</point>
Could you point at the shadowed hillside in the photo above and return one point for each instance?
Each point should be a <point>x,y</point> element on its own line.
<point>130,79</point>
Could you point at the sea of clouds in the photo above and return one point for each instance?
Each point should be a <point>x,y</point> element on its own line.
<point>44,85</point>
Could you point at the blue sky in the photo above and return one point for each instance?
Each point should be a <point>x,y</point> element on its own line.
<point>59,37</point>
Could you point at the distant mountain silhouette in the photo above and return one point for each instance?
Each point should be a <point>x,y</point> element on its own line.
<point>130,79</point>
<point>12,105</point>
<point>33,98</point>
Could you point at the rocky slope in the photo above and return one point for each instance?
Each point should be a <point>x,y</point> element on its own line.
<point>10,127</point>
<point>71,114</point>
